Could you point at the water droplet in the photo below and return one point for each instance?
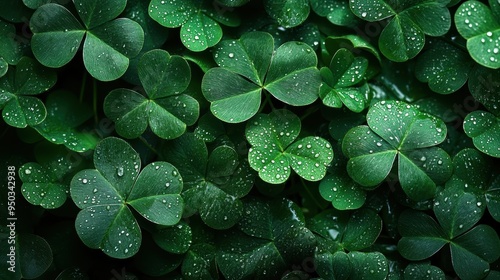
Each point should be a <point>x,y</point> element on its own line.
<point>85,181</point>
<point>119,171</point>
<point>27,171</point>
<point>231,55</point>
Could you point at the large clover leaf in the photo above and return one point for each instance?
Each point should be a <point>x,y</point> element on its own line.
<point>17,88</point>
<point>445,67</point>
<point>109,42</point>
<point>165,108</point>
<point>471,252</point>
<point>396,129</point>
<point>199,21</point>
<point>480,25</point>
<point>104,194</point>
<point>249,65</point>
<point>340,79</point>
<point>214,183</point>
<point>275,152</point>
<point>404,37</point>
<point>270,236</point>
<point>65,115</point>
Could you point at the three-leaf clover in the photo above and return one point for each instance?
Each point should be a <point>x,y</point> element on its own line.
<point>472,250</point>
<point>214,183</point>
<point>165,108</point>
<point>404,36</point>
<point>17,87</point>
<point>480,25</point>
<point>340,78</point>
<point>249,65</point>
<point>106,193</point>
<point>199,20</point>
<point>396,129</point>
<point>270,235</point>
<point>109,41</point>
<point>274,151</point>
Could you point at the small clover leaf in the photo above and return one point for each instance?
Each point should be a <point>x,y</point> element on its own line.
<point>337,11</point>
<point>174,239</point>
<point>275,152</point>
<point>418,271</point>
<point>47,184</point>
<point>288,13</point>
<point>17,88</point>
<point>340,78</point>
<point>214,182</point>
<point>199,21</point>
<point>271,235</point>
<point>396,129</point>
<point>342,191</point>
<point>352,231</point>
<point>64,115</point>
<point>104,194</point>
<point>165,108</point>
<point>471,252</point>
<point>445,67</point>
<point>10,50</point>
<point>249,65</point>
<point>473,174</point>
<point>479,24</point>
<point>57,36</point>
<point>404,36</point>
<point>484,129</point>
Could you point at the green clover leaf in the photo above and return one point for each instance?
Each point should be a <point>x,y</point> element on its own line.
<point>417,271</point>
<point>275,152</point>
<point>404,36</point>
<point>65,114</point>
<point>340,78</point>
<point>104,194</point>
<point>10,50</point>
<point>445,67</point>
<point>17,88</point>
<point>165,108</point>
<point>108,45</point>
<point>199,21</point>
<point>396,129</point>
<point>342,191</point>
<point>270,235</point>
<point>337,11</point>
<point>214,183</point>
<point>288,13</point>
<point>352,231</point>
<point>471,252</point>
<point>249,65</point>
<point>480,25</point>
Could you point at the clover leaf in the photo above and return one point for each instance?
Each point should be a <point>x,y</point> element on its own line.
<point>352,231</point>
<point>10,50</point>
<point>270,235</point>
<point>342,191</point>
<point>275,152</point>
<point>213,182</point>
<point>108,45</point>
<point>17,88</point>
<point>484,129</point>
<point>288,13</point>
<point>417,271</point>
<point>445,67</point>
<point>165,108</point>
<point>471,252</point>
<point>396,129</point>
<point>249,65</point>
<point>104,194</point>
<point>340,78</point>
<point>473,174</point>
<point>404,36</point>
<point>65,114</point>
<point>480,25</point>
<point>47,183</point>
<point>337,11</point>
<point>352,265</point>
<point>199,21</point>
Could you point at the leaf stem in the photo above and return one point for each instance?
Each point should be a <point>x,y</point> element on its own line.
<point>143,140</point>
<point>94,101</point>
<point>310,111</point>
<point>82,88</point>
<point>311,196</point>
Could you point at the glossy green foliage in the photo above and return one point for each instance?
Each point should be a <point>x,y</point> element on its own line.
<point>238,139</point>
